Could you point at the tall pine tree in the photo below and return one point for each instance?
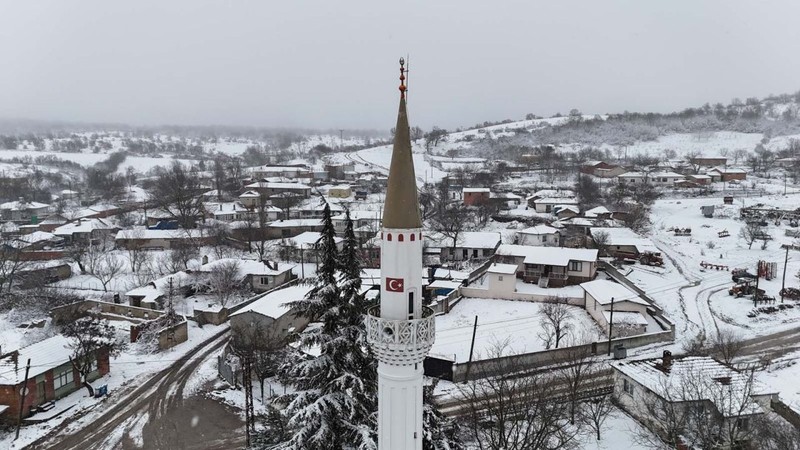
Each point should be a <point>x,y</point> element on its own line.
<point>334,396</point>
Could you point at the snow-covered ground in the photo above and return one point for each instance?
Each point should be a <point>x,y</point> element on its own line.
<point>142,164</point>
<point>514,326</point>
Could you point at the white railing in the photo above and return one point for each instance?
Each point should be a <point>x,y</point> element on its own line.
<point>400,342</point>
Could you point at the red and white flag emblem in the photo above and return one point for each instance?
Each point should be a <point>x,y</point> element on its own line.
<point>394,284</point>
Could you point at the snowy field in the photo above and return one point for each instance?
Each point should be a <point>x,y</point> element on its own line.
<point>508,324</point>
<point>142,164</point>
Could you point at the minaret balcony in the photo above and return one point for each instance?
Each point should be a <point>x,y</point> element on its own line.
<point>400,342</point>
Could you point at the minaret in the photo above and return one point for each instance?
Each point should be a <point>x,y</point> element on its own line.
<point>400,331</point>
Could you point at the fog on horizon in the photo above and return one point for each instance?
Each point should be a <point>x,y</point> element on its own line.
<point>322,64</point>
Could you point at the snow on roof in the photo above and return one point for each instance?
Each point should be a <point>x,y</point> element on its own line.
<point>631,175</point>
<point>44,355</point>
<point>445,284</point>
<point>359,215</point>
<point>277,185</point>
<point>552,256</point>
<point>159,234</point>
<point>700,176</point>
<point>476,190</point>
<point>596,211</point>
<point>22,205</point>
<point>727,170</point>
<point>604,290</point>
<point>296,223</point>
<point>625,317</point>
<point>248,267</point>
<point>32,238</point>
<point>696,378</point>
<point>560,193</point>
<point>467,239</point>
<point>505,269</point>
<point>538,229</point>
<point>308,239</point>
<point>274,304</point>
<point>573,208</point>
<point>250,194</point>
<point>82,226</point>
<point>665,175</point>
<point>442,273</point>
<point>626,236</point>
<point>557,201</point>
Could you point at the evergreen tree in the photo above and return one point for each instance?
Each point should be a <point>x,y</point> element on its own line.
<point>335,394</point>
<point>439,432</point>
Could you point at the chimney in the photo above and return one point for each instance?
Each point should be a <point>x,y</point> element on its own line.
<point>666,359</point>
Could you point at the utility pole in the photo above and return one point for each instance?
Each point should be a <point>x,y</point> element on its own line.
<point>471,348</point>
<point>785,263</point>
<point>758,277</point>
<point>610,326</point>
<point>24,394</point>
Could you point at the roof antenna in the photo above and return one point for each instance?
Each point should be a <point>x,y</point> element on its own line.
<point>408,77</point>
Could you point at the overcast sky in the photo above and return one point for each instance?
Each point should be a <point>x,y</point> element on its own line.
<point>333,63</point>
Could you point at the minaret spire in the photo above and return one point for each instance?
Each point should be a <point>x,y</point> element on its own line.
<point>402,205</point>
<point>401,330</point>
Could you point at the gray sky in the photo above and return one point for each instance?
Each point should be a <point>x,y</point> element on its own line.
<point>333,63</point>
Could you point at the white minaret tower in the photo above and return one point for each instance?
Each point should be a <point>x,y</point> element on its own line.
<point>400,331</point>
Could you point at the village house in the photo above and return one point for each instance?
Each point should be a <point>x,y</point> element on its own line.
<point>234,211</point>
<point>270,189</point>
<point>269,319</point>
<point>654,178</point>
<point>361,219</point>
<point>85,231</point>
<point>709,161</point>
<point>699,179</point>
<point>726,174</point>
<point>602,169</point>
<point>505,200</point>
<point>98,211</point>
<point>340,191</point>
<point>314,210</point>
<point>539,236</point>
<point>250,199</point>
<point>680,386</point>
<point>476,196</point>
<point>622,242</point>
<point>50,378</point>
<point>303,247</point>
<point>38,273</point>
<point>292,227</point>
<point>549,266</point>
<point>630,311</point>
<point>547,204</point>
<point>259,276</point>
<point>470,245</point>
<point>159,239</point>
<point>38,240</point>
<point>339,171</point>
<point>21,211</point>
<point>290,172</point>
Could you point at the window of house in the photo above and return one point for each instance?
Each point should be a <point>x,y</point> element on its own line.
<point>63,378</point>
<point>575,266</point>
<point>627,386</point>
<point>499,278</point>
<point>265,280</point>
<point>286,233</point>
<point>93,365</point>
<point>475,253</point>
<point>743,423</point>
<point>465,253</point>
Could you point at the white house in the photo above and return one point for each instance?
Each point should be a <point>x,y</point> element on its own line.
<point>540,235</point>
<point>663,393</point>
<point>260,276</point>
<point>549,266</point>
<point>470,245</point>
<point>22,211</point>
<point>546,204</point>
<point>654,178</point>
<point>630,311</point>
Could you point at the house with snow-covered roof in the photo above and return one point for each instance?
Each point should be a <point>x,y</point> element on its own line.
<point>601,169</point>
<point>664,394</point>
<point>539,235</point>
<point>270,319</point>
<point>260,276</point>
<point>624,243</point>
<point>630,310</point>
<point>469,245</point>
<point>85,231</point>
<point>303,247</point>
<point>548,204</point>
<point>51,376</point>
<point>549,266</point>
<point>21,211</point>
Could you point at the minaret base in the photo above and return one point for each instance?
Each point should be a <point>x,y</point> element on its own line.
<point>399,407</point>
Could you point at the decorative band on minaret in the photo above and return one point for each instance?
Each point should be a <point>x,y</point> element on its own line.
<point>401,331</point>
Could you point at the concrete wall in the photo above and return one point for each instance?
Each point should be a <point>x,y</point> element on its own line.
<point>174,335</point>
<point>539,240</point>
<point>476,292</point>
<point>68,312</point>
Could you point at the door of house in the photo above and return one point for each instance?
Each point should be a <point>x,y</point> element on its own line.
<point>41,396</point>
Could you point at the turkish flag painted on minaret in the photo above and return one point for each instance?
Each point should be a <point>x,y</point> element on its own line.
<point>394,284</point>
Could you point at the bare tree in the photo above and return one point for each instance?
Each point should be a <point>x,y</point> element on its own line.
<point>224,281</point>
<point>595,411</point>
<point>177,191</point>
<point>451,221</point>
<point>89,336</point>
<point>11,264</point>
<point>750,232</point>
<point>105,268</point>
<point>727,345</point>
<point>515,413</point>
<point>264,347</point>
<point>554,318</point>
<point>135,249</point>
<point>580,369</point>
<point>587,191</point>
<point>601,239</point>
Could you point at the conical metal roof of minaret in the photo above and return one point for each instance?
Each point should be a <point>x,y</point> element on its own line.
<point>401,209</point>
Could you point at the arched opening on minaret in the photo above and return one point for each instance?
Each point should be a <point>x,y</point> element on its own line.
<point>389,237</point>
<point>413,237</point>
<point>400,237</point>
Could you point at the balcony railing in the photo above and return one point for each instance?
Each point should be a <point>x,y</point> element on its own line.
<point>400,342</point>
